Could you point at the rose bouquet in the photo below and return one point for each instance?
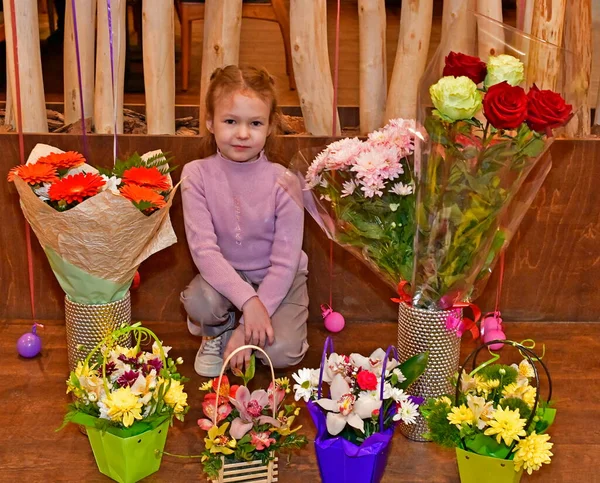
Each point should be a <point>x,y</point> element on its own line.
<point>363,197</point>
<point>356,422</point>
<point>496,420</point>
<point>244,426</point>
<point>127,402</point>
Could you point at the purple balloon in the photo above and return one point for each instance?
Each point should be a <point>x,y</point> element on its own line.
<point>29,344</point>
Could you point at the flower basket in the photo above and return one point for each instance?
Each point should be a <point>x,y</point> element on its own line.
<point>126,403</point>
<point>243,448</point>
<point>496,420</point>
<point>475,468</point>
<point>364,460</point>
<point>251,471</point>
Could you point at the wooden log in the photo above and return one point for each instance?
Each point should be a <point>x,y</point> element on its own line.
<point>411,58</point>
<point>578,39</point>
<point>308,24</point>
<point>221,47</point>
<point>158,33</point>
<point>490,36</point>
<point>548,24</point>
<point>33,103</point>
<point>458,27</point>
<point>524,15</point>
<point>86,16</point>
<point>108,98</point>
<point>372,61</point>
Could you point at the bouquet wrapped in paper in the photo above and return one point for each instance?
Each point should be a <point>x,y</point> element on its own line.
<point>96,226</point>
<point>361,193</point>
<point>127,402</point>
<point>496,419</point>
<point>356,423</point>
<point>478,162</point>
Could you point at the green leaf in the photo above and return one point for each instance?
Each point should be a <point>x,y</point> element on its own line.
<point>412,368</point>
<point>250,370</point>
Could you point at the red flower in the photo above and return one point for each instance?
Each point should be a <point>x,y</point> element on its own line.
<point>505,106</point>
<point>366,380</point>
<point>68,160</point>
<point>546,110</point>
<point>76,188</point>
<point>33,173</point>
<point>146,178</point>
<point>139,194</point>
<point>458,64</point>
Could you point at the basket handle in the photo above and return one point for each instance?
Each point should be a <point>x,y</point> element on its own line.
<point>239,349</point>
<point>531,358</point>
<point>327,349</point>
<point>390,349</point>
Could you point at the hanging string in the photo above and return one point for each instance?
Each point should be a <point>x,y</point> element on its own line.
<point>19,112</point>
<point>499,288</point>
<point>79,78</point>
<point>112,77</point>
<point>336,66</point>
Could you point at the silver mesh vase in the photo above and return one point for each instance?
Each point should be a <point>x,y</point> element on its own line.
<point>87,325</point>
<point>421,330</point>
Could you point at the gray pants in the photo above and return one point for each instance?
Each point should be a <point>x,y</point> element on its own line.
<point>210,314</point>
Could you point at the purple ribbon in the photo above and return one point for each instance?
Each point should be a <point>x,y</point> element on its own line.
<point>79,78</point>
<point>112,77</point>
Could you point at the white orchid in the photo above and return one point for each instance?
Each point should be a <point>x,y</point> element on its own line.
<point>482,411</point>
<point>374,362</point>
<point>336,364</point>
<point>345,408</point>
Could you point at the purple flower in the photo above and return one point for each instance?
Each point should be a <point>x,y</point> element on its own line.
<point>128,378</point>
<point>155,364</point>
<point>110,368</point>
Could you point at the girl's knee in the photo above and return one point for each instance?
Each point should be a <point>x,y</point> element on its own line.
<point>203,304</point>
<point>285,353</point>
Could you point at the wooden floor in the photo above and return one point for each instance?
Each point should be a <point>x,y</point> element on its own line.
<point>33,399</point>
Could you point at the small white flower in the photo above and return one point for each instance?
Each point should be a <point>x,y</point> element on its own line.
<point>42,192</point>
<point>323,183</point>
<point>92,397</point>
<point>398,373</point>
<point>325,197</point>
<point>348,187</point>
<point>111,184</point>
<point>179,360</point>
<point>394,206</point>
<point>393,225</point>
<point>407,413</point>
<point>402,189</point>
<point>305,387</point>
<point>398,395</point>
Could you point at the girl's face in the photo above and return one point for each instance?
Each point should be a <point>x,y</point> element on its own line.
<point>241,126</point>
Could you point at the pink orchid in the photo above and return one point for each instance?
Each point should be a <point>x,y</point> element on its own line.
<point>250,407</point>
<point>276,397</point>
<point>208,408</point>
<point>261,440</point>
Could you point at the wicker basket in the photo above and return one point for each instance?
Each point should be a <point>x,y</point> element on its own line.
<point>246,471</point>
<point>421,330</point>
<point>87,325</point>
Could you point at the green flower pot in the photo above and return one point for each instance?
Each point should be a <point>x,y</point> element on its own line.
<point>128,460</point>
<point>475,468</point>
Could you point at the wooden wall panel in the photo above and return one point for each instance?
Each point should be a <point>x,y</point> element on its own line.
<point>551,266</point>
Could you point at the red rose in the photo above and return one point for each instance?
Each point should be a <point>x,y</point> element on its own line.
<point>366,380</point>
<point>546,110</point>
<point>505,106</point>
<point>458,64</point>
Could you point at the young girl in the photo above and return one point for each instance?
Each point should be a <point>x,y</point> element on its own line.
<point>244,228</point>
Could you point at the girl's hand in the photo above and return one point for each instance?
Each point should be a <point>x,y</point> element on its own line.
<point>242,359</point>
<point>257,323</point>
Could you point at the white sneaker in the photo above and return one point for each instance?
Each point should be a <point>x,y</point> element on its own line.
<point>209,359</point>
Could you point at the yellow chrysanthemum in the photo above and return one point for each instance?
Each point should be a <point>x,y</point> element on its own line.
<point>485,387</point>
<point>444,400</point>
<point>175,397</point>
<point>84,370</point>
<point>206,386</point>
<point>124,406</point>
<point>521,391</point>
<point>507,425</point>
<point>283,383</point>
<point>128,352</point>
<point>532,452</point>
<point>217,441</point>
<point>460,415</point>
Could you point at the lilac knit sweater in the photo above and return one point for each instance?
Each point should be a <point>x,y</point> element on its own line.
<point>246,217</point>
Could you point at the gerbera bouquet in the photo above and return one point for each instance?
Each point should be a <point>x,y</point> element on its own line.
<point>127,398</point>
<point>244,425</point>
<point>495,413</point>
<point>96,225</point>
<point>478,167</point>
<point>363,196</point>
<point>366,400</point>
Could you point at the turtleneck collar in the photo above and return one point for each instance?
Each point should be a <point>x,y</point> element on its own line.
<point>261,157</point>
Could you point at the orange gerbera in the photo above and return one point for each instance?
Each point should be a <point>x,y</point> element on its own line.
<point>144,198</point>
<point>146,178</point>
<point>33,173</point>
<point>68,160</point>
<point>76,187</point>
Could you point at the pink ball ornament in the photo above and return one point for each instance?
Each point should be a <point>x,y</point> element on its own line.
<point>29,344</point>
<point>494,335</point>
<point>333,321</point>
<point>491,329</point>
